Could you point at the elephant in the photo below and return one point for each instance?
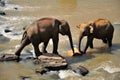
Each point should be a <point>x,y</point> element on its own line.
<point>99,29</point>
<point>43,30</point>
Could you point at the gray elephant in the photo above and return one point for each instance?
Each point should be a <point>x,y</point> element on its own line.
<point>43,30</point>
<point>100,29</point>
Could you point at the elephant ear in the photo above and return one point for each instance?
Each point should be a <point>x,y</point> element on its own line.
<point>64,27</point>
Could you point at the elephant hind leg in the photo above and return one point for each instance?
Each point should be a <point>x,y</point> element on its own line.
<point>24,43</point>
<point>36,49</point>
<point>55,44</point>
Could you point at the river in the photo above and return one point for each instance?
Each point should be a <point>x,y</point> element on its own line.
<point>102,63</point>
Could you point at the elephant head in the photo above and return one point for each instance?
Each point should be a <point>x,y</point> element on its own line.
<point>64,29</point>
<point>86,29</point>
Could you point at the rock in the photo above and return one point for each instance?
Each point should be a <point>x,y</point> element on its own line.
<point>7,30</point>
<point>15,8</point>
<point>2,13</point>
<point>8,57</point>
<point>52,61</point>
<point>70,52</point>
<point>81,70</point>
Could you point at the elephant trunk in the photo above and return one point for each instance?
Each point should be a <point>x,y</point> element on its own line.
<point>71,41</point>
<point>80,39</point>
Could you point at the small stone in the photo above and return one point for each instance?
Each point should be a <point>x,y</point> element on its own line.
<point>8,57</point>
<point>2,13</point>
<point>7,30</point>
<point>15,8</point>
<point>81,70</point>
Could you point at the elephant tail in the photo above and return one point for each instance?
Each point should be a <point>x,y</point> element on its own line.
<point>24,36</point>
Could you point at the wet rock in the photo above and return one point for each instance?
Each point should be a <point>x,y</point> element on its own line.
<point>7,30</point>
<point>81,70</point>
<point>8,57</point>
<point>15,8</point>
<point>2,13</point>
<point>52,61</point>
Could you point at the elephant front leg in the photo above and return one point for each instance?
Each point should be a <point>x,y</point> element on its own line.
<point>55,44</point>
<point>89,43</point>
<point>109,41</point>
<point>44,47</point>
<point>36,50</point>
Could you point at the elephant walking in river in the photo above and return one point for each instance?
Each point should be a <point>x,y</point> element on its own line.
<point>100,29</point>
<point>43,30</point>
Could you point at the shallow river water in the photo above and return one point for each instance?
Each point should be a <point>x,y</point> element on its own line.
<point>103,64</point>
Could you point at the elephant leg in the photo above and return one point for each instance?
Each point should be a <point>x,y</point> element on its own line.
<point>55,44</point>
<point>104,40</point>
<point>24,43</point>
<point>109,41</point>
<point>36,49</point>
<point>44,47</point>
<point>89,41</point>
<point>91,44</point>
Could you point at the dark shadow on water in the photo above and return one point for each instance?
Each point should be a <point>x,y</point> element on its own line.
<point>98,50</point>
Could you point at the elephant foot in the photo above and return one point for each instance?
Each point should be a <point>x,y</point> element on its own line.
<point>55,52</point>
<point>82,53</point>
<point>38,54</point>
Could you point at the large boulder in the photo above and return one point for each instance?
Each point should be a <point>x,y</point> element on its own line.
<point>52,61</point>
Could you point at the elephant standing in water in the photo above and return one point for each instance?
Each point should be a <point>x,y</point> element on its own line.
<point>100,29</point>
<point>43,30</point>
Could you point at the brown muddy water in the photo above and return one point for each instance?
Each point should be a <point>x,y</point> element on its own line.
<point>102,63</point>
